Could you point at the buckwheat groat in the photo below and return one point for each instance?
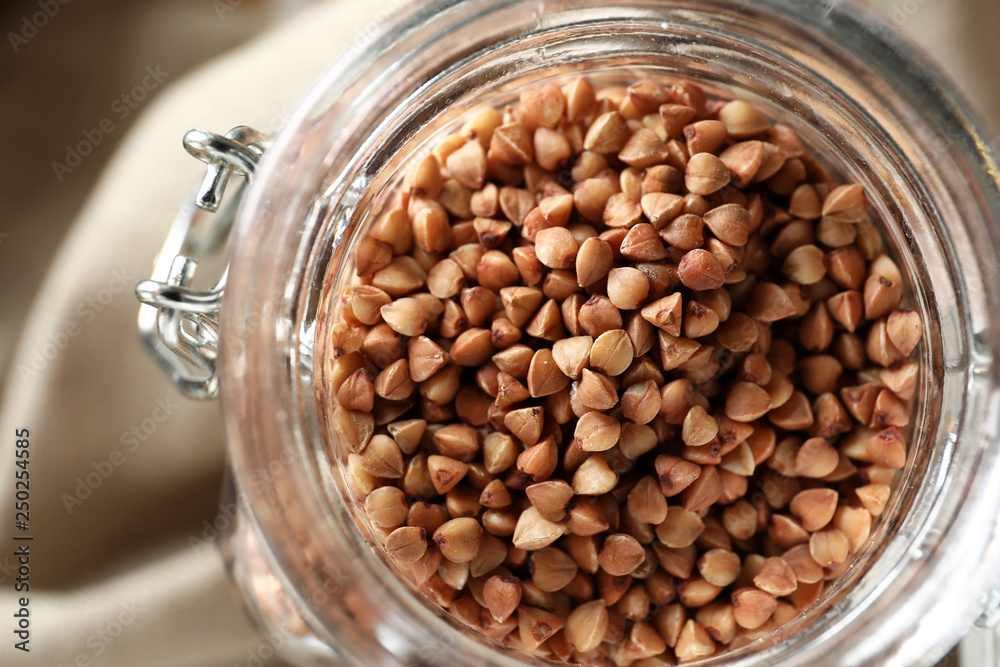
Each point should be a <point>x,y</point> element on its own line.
<point>624,375</point>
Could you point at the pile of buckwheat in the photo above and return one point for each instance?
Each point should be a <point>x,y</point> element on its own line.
<point>624,374</point>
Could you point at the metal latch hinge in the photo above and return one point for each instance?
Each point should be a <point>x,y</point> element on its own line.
<point>179,323</point>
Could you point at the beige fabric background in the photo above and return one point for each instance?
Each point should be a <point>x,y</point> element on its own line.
<point>113,579</point>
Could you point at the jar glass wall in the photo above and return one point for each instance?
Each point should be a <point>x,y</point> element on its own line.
<point>874,109</point>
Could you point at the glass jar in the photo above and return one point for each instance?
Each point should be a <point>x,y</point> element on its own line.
<point>878,111</point>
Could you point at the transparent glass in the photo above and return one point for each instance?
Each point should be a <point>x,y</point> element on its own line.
<point>878,111</point>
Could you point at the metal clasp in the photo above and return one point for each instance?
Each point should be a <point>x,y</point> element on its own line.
<point>180,324</point>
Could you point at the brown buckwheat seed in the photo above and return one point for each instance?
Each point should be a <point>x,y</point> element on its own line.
<point>623,373</point>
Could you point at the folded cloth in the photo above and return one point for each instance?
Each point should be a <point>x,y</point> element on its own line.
<point>123,470</point>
